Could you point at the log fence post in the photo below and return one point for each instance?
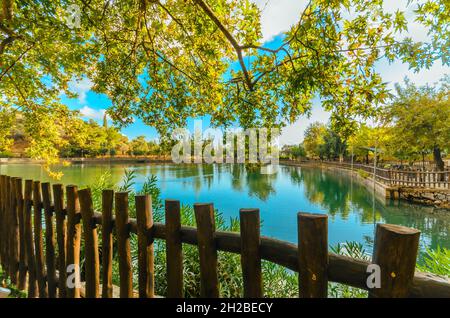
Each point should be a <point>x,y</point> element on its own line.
<point>395,252</point>
<point>313,255</point>
<point>174,252</point>
<point>209,282</point>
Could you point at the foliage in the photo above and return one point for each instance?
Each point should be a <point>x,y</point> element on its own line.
<point>436,261</point>
<point>418,120</point>
<point>314,138</point>
<point>5,282</point>
<point>333,146</point>
<point>293,152</point>
<point>165,61</point>
<point>366,139</point>
<point>321,141</point>
<point>434,14</point>
<point>66,134</point>
<point>363,174</point>
<point>6,121</point>
<point>354,250</point>
<point>139,146</point>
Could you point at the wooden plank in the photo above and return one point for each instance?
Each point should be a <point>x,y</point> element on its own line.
<point>22,251</point>
<point>107,242</point>
<point>29,246</point>
<point>50,255</point>
<point>146,273</point>
<point>123,245</point>
<point>92,262</point>
<point>38,241</point>
<point>313,255</point>
<point>209,282</point>
<point>395,251</point>
<point>73,241</point>
<point>7,215</point>
<point>250,253</point>
<point>174,249</point>
<point>2,223</point>
<point>61,232</point>
<point>14,234</point>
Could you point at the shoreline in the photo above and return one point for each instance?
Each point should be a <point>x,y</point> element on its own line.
<point>439,198</point>
<point>136,160</point>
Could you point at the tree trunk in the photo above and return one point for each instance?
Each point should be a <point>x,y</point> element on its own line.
<point>367,159</point>
<point>439,162</point>
<point>438,159</point>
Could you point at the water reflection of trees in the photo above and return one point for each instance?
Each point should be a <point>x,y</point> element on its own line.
<point>338,194</point>
<point>258,185</point>
<point>432,222</point>
<point>325,189</point>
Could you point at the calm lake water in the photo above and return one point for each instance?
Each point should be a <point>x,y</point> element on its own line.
<point>352,210</point>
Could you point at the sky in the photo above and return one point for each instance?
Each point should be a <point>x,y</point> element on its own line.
<point>277,17</point>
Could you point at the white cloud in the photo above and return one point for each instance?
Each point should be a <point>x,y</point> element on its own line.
<point>397,71</point>
<point>91,113</point>
<point>293,134</point>
<point>279,15</point>
<point>81,87</point>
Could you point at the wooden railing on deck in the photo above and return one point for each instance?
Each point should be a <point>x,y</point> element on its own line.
<point>23,211</point>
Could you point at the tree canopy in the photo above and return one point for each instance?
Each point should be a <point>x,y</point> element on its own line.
<point>165,61</point>
<point>419,120</point>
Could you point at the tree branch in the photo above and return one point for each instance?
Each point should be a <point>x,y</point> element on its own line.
<point>14,63</point>
<point>229,37</point>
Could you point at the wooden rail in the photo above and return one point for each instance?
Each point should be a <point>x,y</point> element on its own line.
<point>48,271</point>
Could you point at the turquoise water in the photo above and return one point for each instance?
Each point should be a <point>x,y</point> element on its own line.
<point>352,209</point>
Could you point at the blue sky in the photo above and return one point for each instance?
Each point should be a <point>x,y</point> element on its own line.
<point>277,17</point>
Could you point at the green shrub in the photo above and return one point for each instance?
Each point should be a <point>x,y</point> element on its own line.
<point>6,154</point>
<point>363,174</point>
<point>5,282</point>
<point>436,261</point>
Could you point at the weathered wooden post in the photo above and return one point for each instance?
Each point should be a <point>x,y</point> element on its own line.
<point>92,262</point>
<point>174,252</point>
<point>206,226</point>
<point>14,233</point>
<point>50,255</point>
<point>61,232</point>
<point>123,244</point>
<point>38,241</point>
<point>7,222</point>
<point>22,250</point>
<point>31,261</point>
<point>2,223</point>
<point>145,246</point>
<point>250,253</point>
<point>313,255</point>
<point>73,242</point>
<point>395,252</point>
<point>107,242</point>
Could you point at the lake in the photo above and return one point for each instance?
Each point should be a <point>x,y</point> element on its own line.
<point>353,211</point>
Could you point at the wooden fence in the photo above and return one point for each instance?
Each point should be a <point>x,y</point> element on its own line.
<point>392,177</point>
<point>27,212</point>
